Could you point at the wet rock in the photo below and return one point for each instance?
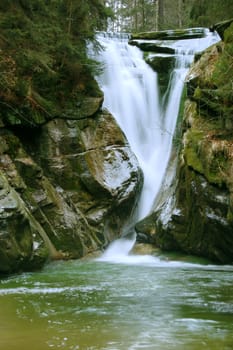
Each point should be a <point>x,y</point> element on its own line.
<point>22,247</point>
<point>144,249</point>
<point>221,27</point>
<point>197,217</point>
<point>152,47</point>
<point>177,34</point>
<point>145,230</point>
<point>197,220</point>
<point>163,65</point>
<point>67,189</point>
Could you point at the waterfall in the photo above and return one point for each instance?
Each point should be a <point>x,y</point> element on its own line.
<point>132,95</point>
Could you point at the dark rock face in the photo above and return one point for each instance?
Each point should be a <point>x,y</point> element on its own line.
<point>196,216</point>
<point>196,221</point>
<point>66,188</point>
<point>164,66</point>
<point>152,47</point>
<point>221,27</point>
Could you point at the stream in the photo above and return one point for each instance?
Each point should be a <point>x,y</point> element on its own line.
<point>136,302</point>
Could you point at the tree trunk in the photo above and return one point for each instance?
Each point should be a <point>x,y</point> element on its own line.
<point>180,13</point>
<point>160,14</point>
<point>156,5</point>
<point>135,16</point>
<point>70,17</point>
<point>143,14</point>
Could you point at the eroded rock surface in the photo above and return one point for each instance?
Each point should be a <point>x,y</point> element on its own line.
<point>67,188</point>
<point>197,216</point>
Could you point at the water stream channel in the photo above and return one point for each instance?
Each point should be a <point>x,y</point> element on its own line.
<point>139,302</point>
<point>126,301</point>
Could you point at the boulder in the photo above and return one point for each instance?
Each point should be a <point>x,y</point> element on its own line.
<point>67,189</point>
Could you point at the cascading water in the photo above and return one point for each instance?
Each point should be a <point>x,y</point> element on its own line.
<point>132,95</point>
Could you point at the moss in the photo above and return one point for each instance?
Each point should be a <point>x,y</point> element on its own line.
<point>177,139</point>
<point>193,160</point>
<point>171,34</point>
<point>228,34</point>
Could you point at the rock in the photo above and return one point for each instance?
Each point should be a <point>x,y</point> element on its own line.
<point>197,220</point>
<point>143,249</point>
<point>152,47</point>
<point>178,34</point>
<point>221,27</point>
<point>197,217</point>
<point>87,107</point>
<point>163,65</point>
<point>22,246</point>
<point>67,189</point>
<point>145,230</point>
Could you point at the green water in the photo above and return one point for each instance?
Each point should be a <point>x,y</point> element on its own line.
<point>134,303</point>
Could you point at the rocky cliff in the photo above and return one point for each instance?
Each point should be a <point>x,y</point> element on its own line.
<point>66,187</point>
<point>196,214</point>
<point>68,179</point>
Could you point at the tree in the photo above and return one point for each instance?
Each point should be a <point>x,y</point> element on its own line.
<point>45,44</point>
<point>207,12</point>
<point>145,15</point>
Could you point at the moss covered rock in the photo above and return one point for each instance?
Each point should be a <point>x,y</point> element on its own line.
<point>196,216</point>
<point>171,34</point>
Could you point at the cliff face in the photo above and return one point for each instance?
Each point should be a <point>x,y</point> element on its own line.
<point>66,188</point>
<point>68,179</point>
<point>197,217</point>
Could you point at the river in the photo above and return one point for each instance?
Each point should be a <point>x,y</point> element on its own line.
<point>137,302</point>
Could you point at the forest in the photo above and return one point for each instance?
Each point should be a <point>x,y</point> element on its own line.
<point>44,56</point>
<point>145,15</point>
<point>44,44</point>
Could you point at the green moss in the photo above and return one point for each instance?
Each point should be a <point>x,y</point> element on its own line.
<point>228,34</point>
<point>193,160</point>
<point>170,35</point>
<point>177,140</point>
<point>217,168</point>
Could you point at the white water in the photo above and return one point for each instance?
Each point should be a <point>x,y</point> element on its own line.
<point>131,94</point>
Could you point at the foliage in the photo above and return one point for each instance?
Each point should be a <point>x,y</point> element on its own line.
<point>208,12</point>
<point>43,57</point>
<point>223,76</point>
<point>148,15</point>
